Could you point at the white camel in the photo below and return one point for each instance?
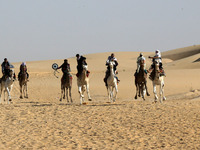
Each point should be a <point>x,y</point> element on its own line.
<point>158,80</point>
<point>83,84</point>
<point>7,86</point>
<point>112,84</point>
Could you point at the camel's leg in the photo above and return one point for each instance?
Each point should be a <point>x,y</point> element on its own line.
<point>139,91</point>
<point>63,92</point>
<point>161,93</point>
<point>26,86</point>
<point>9,97</point>
<point>146,89</point>
<point>136,85</point>
<point>112,94</point>
<point>81,95</point>
<point>5,94</point>
<point>88,92</point>
<point>109,93</point>
<point>143,91</point>
<point>116,91</point>
<point>67,95</point>
<point>61,96</point>
<point>163,96</point>
<point>21,92</point>
<point>154,91</point>
<point>25,91</point>
<point>70,94</point>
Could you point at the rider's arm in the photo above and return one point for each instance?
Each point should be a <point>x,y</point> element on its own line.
<point>60,66</point>
<point>155,57</point>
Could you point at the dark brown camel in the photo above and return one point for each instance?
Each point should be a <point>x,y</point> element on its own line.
<point>23,83</point>
<point>140,82</point>
<point>66,84</point>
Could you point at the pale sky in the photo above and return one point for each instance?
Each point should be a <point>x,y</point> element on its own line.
<point>56,29</point>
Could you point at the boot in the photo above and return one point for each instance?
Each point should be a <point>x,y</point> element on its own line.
<point>88,72</point>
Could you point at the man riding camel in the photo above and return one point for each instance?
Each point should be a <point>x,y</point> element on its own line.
<point>157,58</point>
<point>111,58</point>
<point>81,61</point>
<point>65,67</point>
<point>6,69</point>
<point>139,59</point>
<point>23,66</point>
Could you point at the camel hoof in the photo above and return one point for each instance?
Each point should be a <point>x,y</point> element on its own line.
<point>84,103</point>
<point>135,97</point>
<point>89,99</point>
<point>10,100</point>
<point>164,98</point>
<point>139,95</point>
<point>60,99</point>
<point>21,97</point>
<point>148,94</point>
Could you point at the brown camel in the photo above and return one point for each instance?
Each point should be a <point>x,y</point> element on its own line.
<point>23,83</point>
<point>141,81</point>
<point>66,84</point>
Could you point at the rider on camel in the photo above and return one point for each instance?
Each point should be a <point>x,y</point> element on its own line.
<point>23,66</point>
<point>81,60</point>
<point>65,67</point>
<point>158,58</point>
<point>111,58</point>
<point>6,69</point>
<point>139,59</point>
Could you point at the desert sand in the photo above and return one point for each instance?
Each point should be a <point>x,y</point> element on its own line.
<point>43,122</point>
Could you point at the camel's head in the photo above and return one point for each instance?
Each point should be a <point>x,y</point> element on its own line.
<point>156,62</point>
<point>85,67</point>
<point>111,63</point>
<point>11,72</point>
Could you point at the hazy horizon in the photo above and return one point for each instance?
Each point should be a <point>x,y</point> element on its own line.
<point>45,30</point>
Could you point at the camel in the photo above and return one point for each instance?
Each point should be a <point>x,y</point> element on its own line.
<point>66,84</point>
<point>158,80</point>
<point>112,84</point>
<point>23,83</point>
<point>6,85</point>
<point>83,84</point>
<point>141,82</point>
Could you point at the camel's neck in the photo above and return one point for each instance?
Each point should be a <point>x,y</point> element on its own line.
<point>157,74</point>
<point>112,72</point>
<point>83,75</point>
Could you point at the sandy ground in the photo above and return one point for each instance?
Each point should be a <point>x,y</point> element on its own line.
<point>43,122</point>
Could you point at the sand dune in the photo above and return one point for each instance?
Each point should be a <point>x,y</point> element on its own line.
<point>181,53</point>
<point>43,122</point>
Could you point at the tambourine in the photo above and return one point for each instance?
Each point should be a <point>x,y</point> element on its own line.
<point>55,66</point>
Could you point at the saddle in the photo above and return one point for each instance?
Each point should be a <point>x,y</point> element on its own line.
<point>87,74</point>
<point>152,74</point>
